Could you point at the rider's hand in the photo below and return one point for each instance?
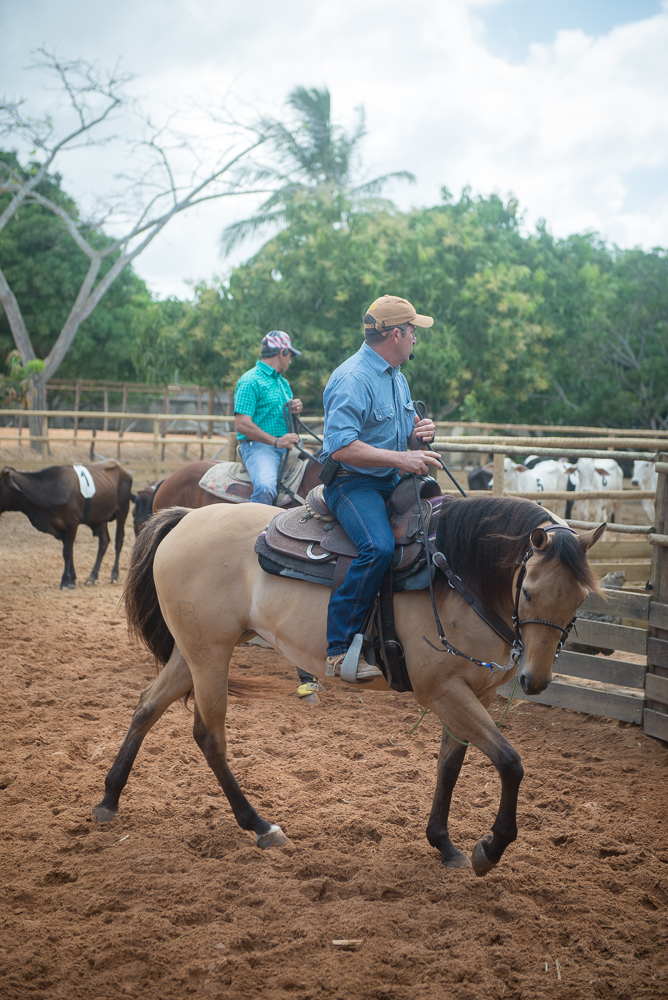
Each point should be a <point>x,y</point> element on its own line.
<point>296,406</point>
<point>425,429</point>
<point>417,461</point>
<point>287,441</point>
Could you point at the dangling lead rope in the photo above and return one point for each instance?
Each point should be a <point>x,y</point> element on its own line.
<point>463,742</point>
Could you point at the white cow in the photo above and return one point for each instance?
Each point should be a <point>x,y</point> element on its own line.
<point>596,474</point>
<point>645,477</point>
<point>546,476</point>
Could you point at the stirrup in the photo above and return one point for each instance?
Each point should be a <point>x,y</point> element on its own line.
<point>352,666</point>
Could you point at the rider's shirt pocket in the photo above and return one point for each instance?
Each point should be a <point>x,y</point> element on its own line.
<point>383,412</point>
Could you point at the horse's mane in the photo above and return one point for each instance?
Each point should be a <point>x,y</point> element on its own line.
<point>484,538</point>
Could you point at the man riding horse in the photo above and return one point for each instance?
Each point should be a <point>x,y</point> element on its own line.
<point>259,399</point>
<point>372,434</point>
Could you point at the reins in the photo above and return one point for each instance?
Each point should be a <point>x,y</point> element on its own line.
<point>512,637</point>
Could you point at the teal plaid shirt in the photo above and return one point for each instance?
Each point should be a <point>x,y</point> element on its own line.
<point>261,394</point>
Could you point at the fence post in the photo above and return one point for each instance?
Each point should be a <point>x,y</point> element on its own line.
<point>499,475</point>
<point>77,400</point>
<point>655,722</point>
<point>199,422</point>
<point>209,426</point>
<point>231,443</point>
<point>106,410</point>
<point>156,435</point>
<point>165,409</point>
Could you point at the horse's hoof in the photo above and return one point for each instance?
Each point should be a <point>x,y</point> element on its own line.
<point>90,582</point>
<point>480,861</point>
<point>114,579</point>
<point>67,586</point>
<point>274,837</point>
<point>456,860</point>
<point>104,815</point>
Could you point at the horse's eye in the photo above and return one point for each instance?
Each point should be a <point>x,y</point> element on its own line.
<point>525,595</point>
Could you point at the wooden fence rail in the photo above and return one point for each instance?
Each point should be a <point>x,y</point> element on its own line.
<point>631,685</point>
<point>618,686</point>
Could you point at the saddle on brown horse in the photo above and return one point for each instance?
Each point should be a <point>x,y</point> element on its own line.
<point>308,543</point>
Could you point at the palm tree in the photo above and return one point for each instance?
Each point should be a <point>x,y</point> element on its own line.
<point>316,158</point>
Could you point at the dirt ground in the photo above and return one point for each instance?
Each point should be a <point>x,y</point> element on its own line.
<point>173,899</point>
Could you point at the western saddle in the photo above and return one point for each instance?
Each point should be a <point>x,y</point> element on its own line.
<point>308,543</point>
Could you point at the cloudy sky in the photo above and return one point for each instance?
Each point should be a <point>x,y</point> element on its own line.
<point>563,104</point>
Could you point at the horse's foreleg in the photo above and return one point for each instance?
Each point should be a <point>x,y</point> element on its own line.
<point>209,734</point>
<point>450,760</point>
<point>489,849</point>
<point>102,545</point>
<point>462,712</point>
<point>69,577</point>
<point>173,682</point>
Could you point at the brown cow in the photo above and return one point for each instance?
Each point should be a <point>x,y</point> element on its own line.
<point>52,501</point>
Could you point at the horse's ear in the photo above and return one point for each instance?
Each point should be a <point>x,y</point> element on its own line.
<point>589,538</point>
<point>539,539</point>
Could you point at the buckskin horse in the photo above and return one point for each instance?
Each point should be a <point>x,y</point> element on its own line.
<point>195,590</point>
<point>52,501</point>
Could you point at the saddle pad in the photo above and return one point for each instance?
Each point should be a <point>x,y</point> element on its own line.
<point>231,481</point>
<point>86,484</point>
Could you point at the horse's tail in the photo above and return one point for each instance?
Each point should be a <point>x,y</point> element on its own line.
<point>142,609</point>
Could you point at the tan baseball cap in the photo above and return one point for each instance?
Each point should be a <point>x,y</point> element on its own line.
<point>389,311</point>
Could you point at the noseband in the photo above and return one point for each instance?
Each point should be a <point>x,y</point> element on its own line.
<point>497,624</point>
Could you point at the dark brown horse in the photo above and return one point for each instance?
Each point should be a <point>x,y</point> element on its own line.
<point>53,502</point>
<point>182,489</point>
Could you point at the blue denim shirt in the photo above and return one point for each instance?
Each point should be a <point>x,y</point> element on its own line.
<point>366,399</point>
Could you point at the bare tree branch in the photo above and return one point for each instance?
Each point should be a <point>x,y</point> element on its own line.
<point>168,165</point>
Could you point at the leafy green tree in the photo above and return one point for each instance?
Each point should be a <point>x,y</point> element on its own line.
<point>625,355</point>
<point>15,385</point>
<point>318,164</point>
<point>316,278</point>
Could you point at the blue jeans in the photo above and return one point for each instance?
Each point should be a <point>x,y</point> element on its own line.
<point>262,462</point>
<point>359,504</point>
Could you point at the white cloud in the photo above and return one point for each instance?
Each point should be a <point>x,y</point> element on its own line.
<point>571,130</point>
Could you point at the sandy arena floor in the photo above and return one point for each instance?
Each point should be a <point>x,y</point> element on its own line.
<point>173,899</point>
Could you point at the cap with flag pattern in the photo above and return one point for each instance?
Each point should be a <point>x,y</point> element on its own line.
<point>277,341</point>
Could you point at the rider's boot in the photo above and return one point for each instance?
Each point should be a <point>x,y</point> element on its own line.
<point>365,671</point>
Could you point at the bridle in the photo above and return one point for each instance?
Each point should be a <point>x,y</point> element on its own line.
<point>517,624</point>
<point>513,637</point>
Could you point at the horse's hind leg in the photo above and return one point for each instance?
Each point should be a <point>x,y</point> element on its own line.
<point>102,545</point>
<point>209,734</point>
<point>173,682</point>
<point>450,760</point>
